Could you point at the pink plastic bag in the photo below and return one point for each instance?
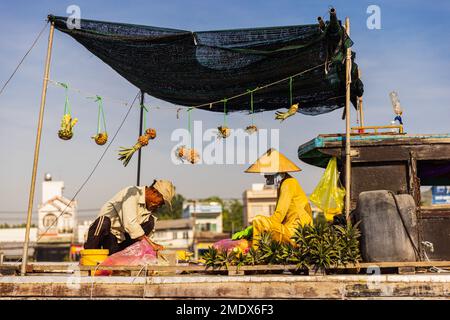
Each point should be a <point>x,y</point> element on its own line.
<point>138,254</point>
<point>228,244</point>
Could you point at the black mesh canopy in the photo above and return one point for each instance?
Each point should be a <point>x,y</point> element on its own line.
<point>193,68</point>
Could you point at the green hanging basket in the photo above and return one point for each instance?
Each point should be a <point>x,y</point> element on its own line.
<point>67,122</point>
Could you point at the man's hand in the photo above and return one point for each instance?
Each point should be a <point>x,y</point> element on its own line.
<point>141,238</point>
<point>155,246</point>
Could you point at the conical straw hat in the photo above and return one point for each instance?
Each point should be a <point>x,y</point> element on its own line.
<point>272,162</point>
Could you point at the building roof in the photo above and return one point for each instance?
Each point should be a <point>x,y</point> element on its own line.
<point>210,236</point>
<point>265,193</point>
<point>59,203</point>
<point>174,224</point>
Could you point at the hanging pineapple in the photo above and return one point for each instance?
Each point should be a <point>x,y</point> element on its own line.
<point>292,109</point>
<point>102,136</point>
<point>67,123</point>
<point>284,115</point>
<point>125,154</point>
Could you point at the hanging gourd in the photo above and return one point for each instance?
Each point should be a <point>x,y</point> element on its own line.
<point>293,107</point>
<point>67,123</point>
<point>102,135</point>
<point>251,128</point>
<point>223,131</point>
<point>125,154</point>
<point>184,153</point>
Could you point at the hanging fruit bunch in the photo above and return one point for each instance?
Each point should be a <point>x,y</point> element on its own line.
<point>67,122</point>
<point>186,154</point>
<point>102,136</point>
<point>125,154</point>
<point>284,115</point>
<point>193,156</point>
<point>223,132</point>
<point>151,133</point>
<point>251,129</point>
<point>293,107</point>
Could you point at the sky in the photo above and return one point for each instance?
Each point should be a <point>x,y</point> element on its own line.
<point>409,53</point>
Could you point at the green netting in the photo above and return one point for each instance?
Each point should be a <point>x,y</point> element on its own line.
<point>192,68</point>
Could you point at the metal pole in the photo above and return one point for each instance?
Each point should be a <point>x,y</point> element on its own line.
<point>141,118</point>
<point>360,105</point>
<point>348,80</point>
<point>36,150</point>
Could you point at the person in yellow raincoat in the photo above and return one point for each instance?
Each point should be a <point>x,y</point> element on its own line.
<point>292,207</point>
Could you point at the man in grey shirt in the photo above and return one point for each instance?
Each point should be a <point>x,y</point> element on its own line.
<point>129,216</point>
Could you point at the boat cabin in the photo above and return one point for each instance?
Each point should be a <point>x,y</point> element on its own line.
<point>402,163</point>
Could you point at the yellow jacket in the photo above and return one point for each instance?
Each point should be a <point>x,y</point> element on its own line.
<point>291,210</point>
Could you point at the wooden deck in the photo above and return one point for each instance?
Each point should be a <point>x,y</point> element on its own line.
<point>435,286</point>
<point>364,281</point>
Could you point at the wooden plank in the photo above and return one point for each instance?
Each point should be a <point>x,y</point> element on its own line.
<point>70,268</point>
<point>406,270</point>
<point>242,287</point>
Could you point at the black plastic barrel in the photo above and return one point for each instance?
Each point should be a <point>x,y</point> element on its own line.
<point>388,226</point>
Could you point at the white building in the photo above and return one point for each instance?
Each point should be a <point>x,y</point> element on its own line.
<point>259,200</point>
<point>207,215</point>
<point>176,234</point>
<point>11,243</point>
<point>82,231</point>
<point>56,214</point>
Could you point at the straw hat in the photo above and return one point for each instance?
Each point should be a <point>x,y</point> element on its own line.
<point>166,189</point>
<point>272,162</point>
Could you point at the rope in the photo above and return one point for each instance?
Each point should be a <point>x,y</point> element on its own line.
<point>145,282</point>
<point>100,105</point>
<point>23,58</point>
<point>259,88</point>
<point>416,250</point>
<point>98,119</point>
<point>139,273</point>
<point>225,112</point>
<point>251,105</point>
<point>92,282</point>
<point>86,93</point>
<point>67,109</point>
<point>290,92</point>
<point>101,113</point>
<point>145,115</point>
<point>210,104</point>
<point>92,171</point>
<point>428,244</point>
<point>189,127</point>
